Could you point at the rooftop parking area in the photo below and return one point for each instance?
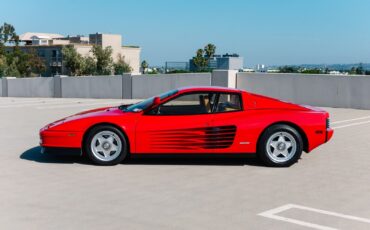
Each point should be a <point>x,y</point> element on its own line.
<point>327,189</point>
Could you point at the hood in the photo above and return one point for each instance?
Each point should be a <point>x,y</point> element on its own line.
<point>93,111</point>
<point>97,112</point>
<point>263,102</point>
<point>106,111</point>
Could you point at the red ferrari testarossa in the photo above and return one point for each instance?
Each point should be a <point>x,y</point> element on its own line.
<point>193,120</point>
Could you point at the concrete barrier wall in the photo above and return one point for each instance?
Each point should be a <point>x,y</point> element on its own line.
<point>91,87</point>
<point>126,86</point>
<point>224,78</point>
<point>30,87</point>
<point>144,86</point>
<point>317,90</point>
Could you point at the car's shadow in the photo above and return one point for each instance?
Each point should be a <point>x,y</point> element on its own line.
<point>34,154</point>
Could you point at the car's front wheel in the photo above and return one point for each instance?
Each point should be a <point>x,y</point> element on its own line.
<point>105,145</point>
<point>280,146</point>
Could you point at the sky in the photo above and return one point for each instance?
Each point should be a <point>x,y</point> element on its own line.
<point>271,32</point>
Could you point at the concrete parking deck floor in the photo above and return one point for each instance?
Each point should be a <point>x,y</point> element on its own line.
<point>327,189</point>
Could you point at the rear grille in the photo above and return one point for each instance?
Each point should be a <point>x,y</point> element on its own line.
<point>327,123</point>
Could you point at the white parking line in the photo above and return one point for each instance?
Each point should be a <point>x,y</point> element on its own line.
<point>272,214</point>
<point>80,105</point>
<point>45,103</point>
<point>354,119</point>
<point>351,124</point>
<point>23,102</point>
<point>23,99</point>
<point>17,105</point>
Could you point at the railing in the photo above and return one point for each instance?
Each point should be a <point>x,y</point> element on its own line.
<point>56,61</point>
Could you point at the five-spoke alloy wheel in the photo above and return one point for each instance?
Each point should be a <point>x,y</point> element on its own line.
<point>105,145</point>
<point>280,145</point>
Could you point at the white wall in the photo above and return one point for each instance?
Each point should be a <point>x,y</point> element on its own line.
<point>91,87</point>
<point>144,86</point>
<point>30,87</point>
<point>317,90</point>
<point>224,78</point>
<point>1,87</point>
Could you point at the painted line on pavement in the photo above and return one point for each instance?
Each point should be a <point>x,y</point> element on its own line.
<point>41,103</point>
<point>21,102</point>
<point>272,214</point>
<point>354,119</point>
<point>352,124</point>
<point>80,105</point>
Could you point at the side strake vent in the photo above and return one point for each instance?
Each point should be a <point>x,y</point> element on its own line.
<point>194,138</point>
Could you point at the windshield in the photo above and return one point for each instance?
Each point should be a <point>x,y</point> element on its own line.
<point>148,102</point>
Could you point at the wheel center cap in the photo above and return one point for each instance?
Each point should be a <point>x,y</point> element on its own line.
<point>106,146</point>
<point>281,146</point>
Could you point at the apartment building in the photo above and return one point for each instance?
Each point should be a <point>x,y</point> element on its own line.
<point>49,47</point>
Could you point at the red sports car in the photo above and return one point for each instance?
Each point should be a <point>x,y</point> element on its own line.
<point>193,120</point>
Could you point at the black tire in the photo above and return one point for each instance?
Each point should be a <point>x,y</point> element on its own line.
<point>268,159</point>
<point>121,155</point>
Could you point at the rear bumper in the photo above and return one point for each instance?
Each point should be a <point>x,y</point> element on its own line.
<point>329,134</point>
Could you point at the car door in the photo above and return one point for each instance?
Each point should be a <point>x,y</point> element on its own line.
<point>231,121</point>
<point>180,125</point>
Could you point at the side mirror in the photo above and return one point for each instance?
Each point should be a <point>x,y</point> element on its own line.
<point>156,101</point>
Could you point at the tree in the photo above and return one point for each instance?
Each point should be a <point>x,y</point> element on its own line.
<point>37,65</point>
<point>209,50</point>
<point>73,61</point>
<point>144,66</point>
<point>32,64</point>
<point>7,34</point>
<point>24,64</point>
<point>101,63</point>
<point>8,65</point>
<point>12,70</point>
<point>288,69</point>
<point>3,66</point>
<point>121,66</point>
<point>312,71</point>
<point>104,61</point>
<point>352,71</point>
<point>360,69</point>
<point>18,63</point>
<point>199,60</point>
<point>88,66</point>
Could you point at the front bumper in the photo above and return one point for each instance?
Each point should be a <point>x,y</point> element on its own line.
<point>62,139</point>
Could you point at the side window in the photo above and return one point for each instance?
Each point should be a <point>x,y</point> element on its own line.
<point>187,104</point>
<point>228,102</point>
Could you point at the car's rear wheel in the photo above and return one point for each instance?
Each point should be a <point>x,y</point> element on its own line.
<point>105,145</point>
<point>280,146</point>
